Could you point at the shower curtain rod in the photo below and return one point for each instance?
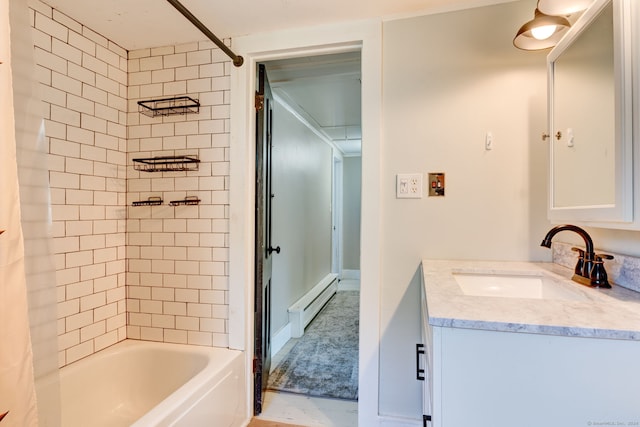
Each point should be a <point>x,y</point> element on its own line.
<point>237,60</point>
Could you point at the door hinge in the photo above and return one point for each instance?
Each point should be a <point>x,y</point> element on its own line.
<point>259,102</point>
<point>255,365</point>
<point>425,419</point>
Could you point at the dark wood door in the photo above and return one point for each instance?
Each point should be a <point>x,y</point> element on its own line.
<point>263,247</point>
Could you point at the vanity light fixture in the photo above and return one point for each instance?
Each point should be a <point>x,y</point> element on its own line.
<point>562,7</point>
<point>542,32</point>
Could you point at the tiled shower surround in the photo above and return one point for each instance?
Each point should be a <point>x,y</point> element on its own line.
<point>177,256</point>
<point>155,272</point>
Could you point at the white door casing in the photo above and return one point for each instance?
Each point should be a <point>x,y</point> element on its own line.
<point>365,36</point>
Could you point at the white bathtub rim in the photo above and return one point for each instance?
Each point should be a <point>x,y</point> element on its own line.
<point>189,393</point>
<point>218,359</point>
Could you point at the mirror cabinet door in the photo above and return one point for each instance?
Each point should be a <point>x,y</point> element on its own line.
<point>590,120</point>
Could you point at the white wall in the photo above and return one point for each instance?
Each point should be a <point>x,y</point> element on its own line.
<point>301,169</point>
<point>352,182</point>
<point>448,79</point>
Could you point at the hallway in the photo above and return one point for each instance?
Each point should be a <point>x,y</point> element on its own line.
<point>321,363</point>
<point>324,361</point>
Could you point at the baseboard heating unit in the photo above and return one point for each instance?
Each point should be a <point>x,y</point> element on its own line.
<point>306,308</point>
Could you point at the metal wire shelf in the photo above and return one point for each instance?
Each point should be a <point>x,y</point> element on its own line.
<point>189,200</point>
<point>169,106</point>
<point>151,201</point>
<point>167,164</point>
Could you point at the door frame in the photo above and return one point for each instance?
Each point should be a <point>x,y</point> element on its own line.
<point>365,36</point>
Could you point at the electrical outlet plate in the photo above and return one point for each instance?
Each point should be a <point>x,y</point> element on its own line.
<point>409,186</point>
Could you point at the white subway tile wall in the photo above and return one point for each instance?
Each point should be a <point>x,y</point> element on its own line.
<point>155,273</point>
<point>83,85</point>
<point>177,278</point>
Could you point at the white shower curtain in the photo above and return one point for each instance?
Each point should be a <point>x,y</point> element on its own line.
<point>17,389</point>
<point>28,335</point>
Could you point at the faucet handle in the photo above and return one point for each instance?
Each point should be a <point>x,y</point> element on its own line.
<point>580,263</point>
<point>600,257</point>
<point>598,273</point>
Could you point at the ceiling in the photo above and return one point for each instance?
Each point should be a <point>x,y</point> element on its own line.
<point>136,24</point>
<point>323,90</point>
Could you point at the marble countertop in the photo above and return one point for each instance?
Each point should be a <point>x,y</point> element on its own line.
<point>597,313</point>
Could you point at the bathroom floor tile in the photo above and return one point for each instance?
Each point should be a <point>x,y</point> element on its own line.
<point>262,423</point>
<point>308,411</point>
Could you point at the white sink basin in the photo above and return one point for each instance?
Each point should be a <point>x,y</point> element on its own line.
<point>514,286</point>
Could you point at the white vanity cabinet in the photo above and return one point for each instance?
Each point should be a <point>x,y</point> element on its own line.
<point>504,379</point>
<point>425,369</point>
<point>480,376</point>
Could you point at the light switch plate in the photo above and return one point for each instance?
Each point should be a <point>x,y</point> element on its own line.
<point>409,186</point>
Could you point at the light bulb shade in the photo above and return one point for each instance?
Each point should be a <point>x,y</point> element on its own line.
<point>562,7</point>
<point>526,40</point>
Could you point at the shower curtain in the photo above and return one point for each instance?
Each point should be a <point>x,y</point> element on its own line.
<point>28,333</point>
<point>17,388</point>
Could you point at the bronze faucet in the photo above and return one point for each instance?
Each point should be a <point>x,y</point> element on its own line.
<point>589,269</point>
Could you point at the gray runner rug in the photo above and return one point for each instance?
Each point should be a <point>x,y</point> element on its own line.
<point>324,362</point>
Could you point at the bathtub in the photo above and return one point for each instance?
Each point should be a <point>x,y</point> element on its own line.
<point>143,384</point>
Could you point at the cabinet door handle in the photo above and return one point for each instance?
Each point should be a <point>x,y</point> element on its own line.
<point>419,371</point>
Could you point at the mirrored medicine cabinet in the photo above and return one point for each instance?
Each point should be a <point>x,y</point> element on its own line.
<point>590,136</point>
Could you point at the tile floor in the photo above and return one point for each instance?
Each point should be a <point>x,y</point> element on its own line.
<point>260,423</point>
<point>309,411</point>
